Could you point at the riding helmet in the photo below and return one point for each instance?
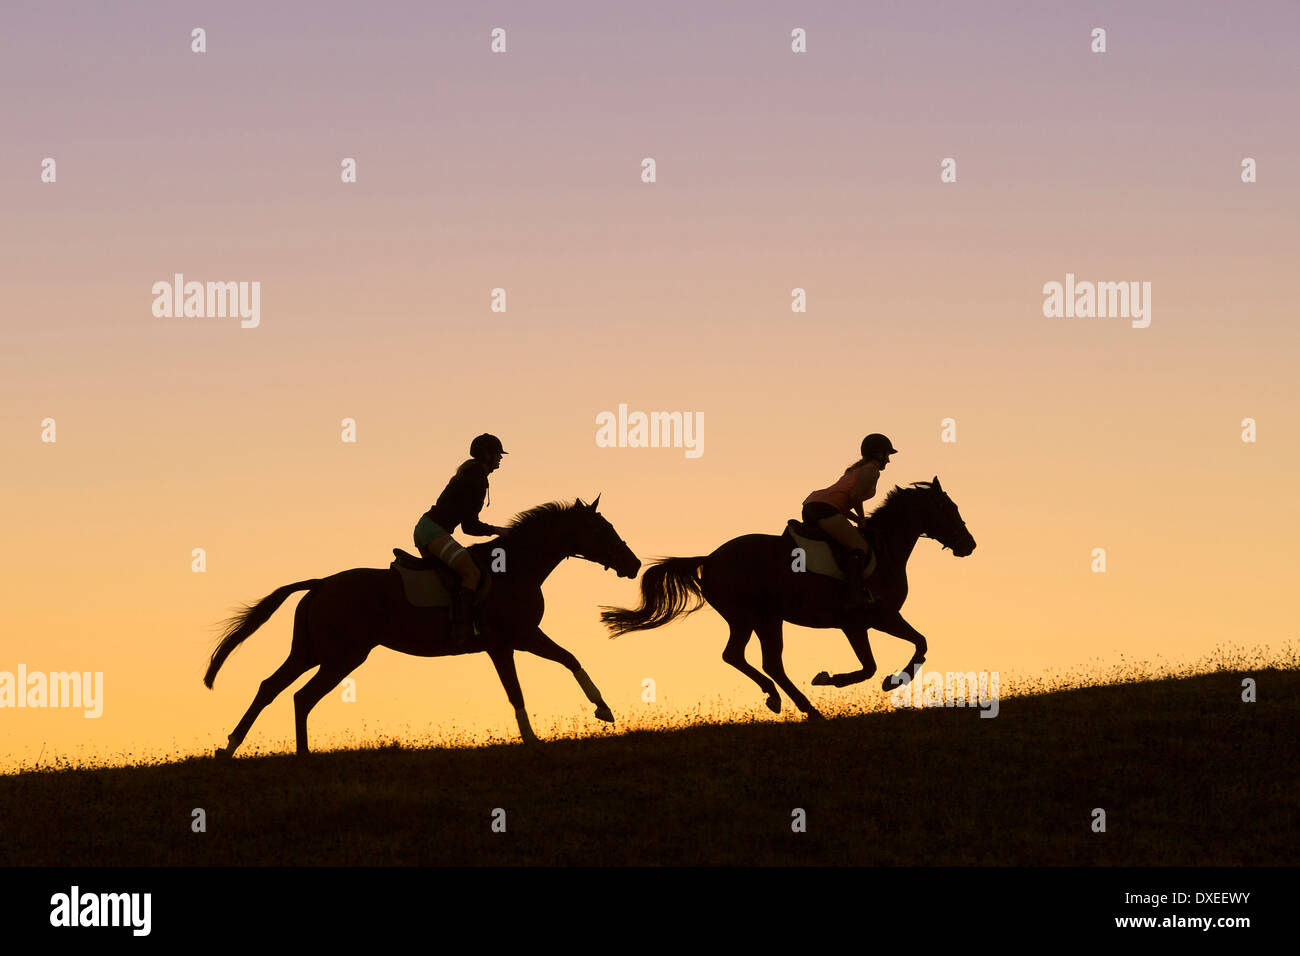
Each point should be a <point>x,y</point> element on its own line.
<point>876,444</point>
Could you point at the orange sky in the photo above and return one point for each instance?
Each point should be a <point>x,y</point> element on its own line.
<point>925,303</point>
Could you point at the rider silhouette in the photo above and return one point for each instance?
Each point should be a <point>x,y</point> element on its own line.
<point>831,508</point>
<point>460,504</point>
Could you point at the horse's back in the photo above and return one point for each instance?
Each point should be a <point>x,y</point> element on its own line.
<point>746,545</point>
<point>357,587</point>
<point>741,572</point>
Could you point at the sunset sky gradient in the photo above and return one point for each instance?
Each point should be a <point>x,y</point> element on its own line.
<point>522,171</point>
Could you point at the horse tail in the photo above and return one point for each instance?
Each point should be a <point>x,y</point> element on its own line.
<point>248,620</point>
<point>667,588</point>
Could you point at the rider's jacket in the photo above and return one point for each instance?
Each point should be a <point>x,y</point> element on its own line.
<point>462,500</point>
<point>854,487</point>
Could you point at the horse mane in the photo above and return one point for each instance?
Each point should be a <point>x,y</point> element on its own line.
<point>550,511</point>
<point>896,497</point>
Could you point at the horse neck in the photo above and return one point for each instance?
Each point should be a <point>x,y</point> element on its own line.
<point>900,531</point>
<point>533,552</point>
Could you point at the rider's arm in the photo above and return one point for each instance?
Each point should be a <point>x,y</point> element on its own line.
<point>474,526</point>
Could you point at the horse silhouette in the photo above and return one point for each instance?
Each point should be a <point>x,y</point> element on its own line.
<point>346,615</point>
<point>752,582</point>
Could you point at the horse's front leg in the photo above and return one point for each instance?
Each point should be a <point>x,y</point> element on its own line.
<point>857,635</point>
<point>503,658</point>
<point>538,643</point>
<point>891,622</point>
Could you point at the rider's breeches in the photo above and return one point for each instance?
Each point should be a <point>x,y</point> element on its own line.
<point>842,530</point>
<point>445,548</point>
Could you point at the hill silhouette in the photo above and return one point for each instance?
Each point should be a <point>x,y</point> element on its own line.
<point>1187,773</point>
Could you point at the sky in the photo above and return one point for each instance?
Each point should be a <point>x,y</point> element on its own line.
<point>523,170</point>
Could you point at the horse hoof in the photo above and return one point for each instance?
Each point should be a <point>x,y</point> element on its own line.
<point>604,713</point>
<point>222,753</point>
<point>821,679</point>
<point>774,704</point>
<point>894,681</point>
<point>815,715</point>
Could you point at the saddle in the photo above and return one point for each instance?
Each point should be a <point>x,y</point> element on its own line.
<point>429,583</point>
<point>822,555</point>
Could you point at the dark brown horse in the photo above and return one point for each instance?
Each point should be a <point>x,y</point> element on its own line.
<point>755,583</point>
<point>345,616</point>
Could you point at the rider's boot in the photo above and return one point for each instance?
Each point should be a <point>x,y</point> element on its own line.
<point>855,595</point>
<point>462,616</point>
<point>868,595</point>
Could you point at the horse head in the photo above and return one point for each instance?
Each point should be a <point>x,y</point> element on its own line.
<point>942,521</point>
<point>597,541</point>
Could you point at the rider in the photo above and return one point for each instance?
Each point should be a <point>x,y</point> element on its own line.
<point>830,509</point>
<point>459,504</point>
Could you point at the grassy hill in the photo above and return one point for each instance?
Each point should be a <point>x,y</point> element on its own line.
<point>1187,773</point>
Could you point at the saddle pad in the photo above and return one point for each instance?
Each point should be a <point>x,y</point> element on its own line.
<point>423,589</point>
<point>820,557</point>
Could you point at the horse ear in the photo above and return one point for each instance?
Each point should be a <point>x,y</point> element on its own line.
<point>936,483</point>
<point>596,502</point>
<point>579,503</point>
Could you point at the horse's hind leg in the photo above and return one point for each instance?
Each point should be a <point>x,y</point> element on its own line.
<point>284,675</point>
<point>310,694</point>
<point>734,654</point>
<point>772,642</point>
<point>504,661</point>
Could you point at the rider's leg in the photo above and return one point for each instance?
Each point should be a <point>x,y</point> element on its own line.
<point>842,530</point>
<point>445,549</point>
<point>464,565</point>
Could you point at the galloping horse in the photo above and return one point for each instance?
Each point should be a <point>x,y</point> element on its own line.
<point>753,583</point>
<point>346,615</point>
